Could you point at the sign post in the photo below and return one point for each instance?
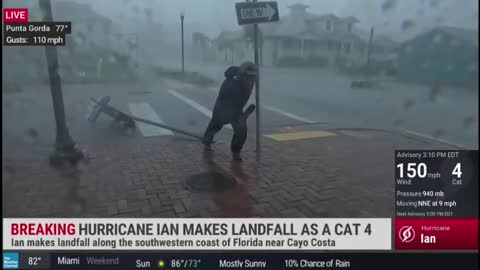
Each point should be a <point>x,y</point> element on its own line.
<point>258,133</point>
<point>255,13</point>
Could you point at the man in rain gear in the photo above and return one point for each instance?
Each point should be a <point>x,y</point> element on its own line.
<point>232,97</point>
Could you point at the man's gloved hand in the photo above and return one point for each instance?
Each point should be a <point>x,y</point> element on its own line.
<point>248,111</point>
<point>242,116</point>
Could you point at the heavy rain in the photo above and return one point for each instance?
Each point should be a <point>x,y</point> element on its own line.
<point>341,85</point>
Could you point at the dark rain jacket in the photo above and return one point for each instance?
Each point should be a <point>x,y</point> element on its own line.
<point>232,97</point>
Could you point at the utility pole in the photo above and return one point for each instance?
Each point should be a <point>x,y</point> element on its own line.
<point>257,88</point>
<point>369,47</point>
<point>65,149</point>
<point>182,16</point>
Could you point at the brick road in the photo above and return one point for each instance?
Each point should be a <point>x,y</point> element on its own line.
<point>339,176</point>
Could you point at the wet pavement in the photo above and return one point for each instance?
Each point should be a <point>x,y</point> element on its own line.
<point>336,176</point>
<point>328,149</point>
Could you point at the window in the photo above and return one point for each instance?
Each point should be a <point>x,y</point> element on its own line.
<point>347,46</point>
<point>330,45</point>
<point>291,44</point>
<point>438,38</point>
<point>90,27</point>
<point>349,27</point>
<point>329,26</point>
<point>454,43</point>
<point>472,67</point>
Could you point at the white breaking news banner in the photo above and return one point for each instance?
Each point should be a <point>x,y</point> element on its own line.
<point>197,234</point>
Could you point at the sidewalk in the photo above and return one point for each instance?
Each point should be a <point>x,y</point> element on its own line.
<point>339,176</point>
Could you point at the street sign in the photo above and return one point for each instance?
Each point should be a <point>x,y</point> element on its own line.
<point>256,12</point>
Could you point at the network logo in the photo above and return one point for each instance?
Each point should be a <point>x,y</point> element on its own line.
<point>406,234</point>
<point>10,260</point>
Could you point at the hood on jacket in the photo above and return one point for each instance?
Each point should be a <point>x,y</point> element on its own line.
<point>231,72</point>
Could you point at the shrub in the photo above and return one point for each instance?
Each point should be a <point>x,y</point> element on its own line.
<point>316,61</point>
<point>290,61</point>
<point>11,87</point>
<point>194,78</point>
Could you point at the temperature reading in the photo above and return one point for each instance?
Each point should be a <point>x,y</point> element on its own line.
<point>176,263</point>
<point>61,27</point>
<point>185,263</point>
<point>34,260</point>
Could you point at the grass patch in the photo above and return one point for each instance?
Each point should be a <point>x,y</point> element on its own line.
<point>194,78</point>
<point>77,74</point>
<point>310,62</point>
<point>10,87</point>
<point>93,78</point>
<point>373,69</point>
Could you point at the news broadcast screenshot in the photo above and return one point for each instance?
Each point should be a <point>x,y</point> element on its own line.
<point>233,134</point>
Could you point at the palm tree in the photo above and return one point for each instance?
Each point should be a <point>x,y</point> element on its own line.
<point>249,35</point>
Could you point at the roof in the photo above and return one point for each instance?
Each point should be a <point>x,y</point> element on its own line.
<point>297,25</point>
<point>378,39</point>
<point>318,35</point>
<point>351,19</point>
<point>334,18</point>
<point>324,17</point>
<point>298,6</point>
<point>288,26</point>
<point>465,35</point>
<point>201,36</point>
<point>73,11</point>
<point>226,36</point>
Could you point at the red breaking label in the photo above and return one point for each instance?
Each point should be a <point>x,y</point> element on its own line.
<point>15,15</point>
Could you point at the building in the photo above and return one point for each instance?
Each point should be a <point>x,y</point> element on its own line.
<point>89,29</point>
<point>383,47</point>
<point>308,36</point>
<point>302,36</point>
<point>202,47</point>
<point>233,47</point>
<point>443,55</point>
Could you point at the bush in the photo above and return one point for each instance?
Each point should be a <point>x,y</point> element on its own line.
<point>194,78</point>
<point>11,87</point>
<point>318,61</point>
<point>289,61</point>
<point>374,68</point>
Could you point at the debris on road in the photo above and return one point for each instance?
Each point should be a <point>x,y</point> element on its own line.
<point>127,122</point>
<point>12,87</point>
<point>364,84</point>
<point>470,121</point>
<point>31,135</point>
<point>409,104</point>
<point>120,119</point>
<point>139,92</point>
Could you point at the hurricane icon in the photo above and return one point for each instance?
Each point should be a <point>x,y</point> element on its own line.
<point>406,234</point>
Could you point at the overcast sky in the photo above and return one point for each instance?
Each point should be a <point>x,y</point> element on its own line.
<point>213,16</point>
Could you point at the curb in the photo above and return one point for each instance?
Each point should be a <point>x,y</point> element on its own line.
<point>423,137</point>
